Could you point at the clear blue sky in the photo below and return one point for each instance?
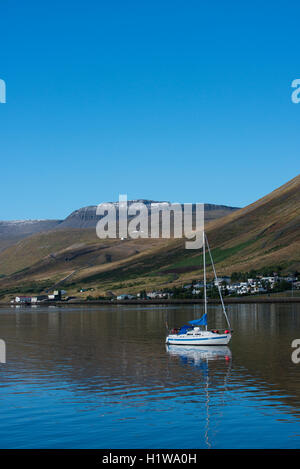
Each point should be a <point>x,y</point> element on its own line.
<point>184,101</point>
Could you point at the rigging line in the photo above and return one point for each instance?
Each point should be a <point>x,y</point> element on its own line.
<point>219,288</point>
<point>204,276</point>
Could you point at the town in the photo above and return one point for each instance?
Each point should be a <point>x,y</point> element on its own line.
<point>238,284</point>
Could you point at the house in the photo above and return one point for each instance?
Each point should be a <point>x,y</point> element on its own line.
<point>289,279</point>
<point>23,299</point>
<point>220,280</point>
<point>270,280</point>
<point>126,296</point>
<point>199,285</point>
<point>243,290</point>
<point>56,295</point>
<point>39,298</point>
<point>157,294</point>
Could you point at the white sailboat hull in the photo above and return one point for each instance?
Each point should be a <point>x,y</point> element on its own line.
<point>202,338</point>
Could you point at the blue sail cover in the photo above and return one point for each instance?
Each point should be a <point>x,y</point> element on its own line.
<point>200,322</point>
<point>185,329</point>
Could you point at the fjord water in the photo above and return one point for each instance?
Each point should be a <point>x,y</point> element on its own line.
<point>102,377</point>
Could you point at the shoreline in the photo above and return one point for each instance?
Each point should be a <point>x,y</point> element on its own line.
<point>234,300</point>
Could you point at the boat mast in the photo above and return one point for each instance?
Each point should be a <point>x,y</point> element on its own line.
<point>204,279</point>
<point>219,288</point>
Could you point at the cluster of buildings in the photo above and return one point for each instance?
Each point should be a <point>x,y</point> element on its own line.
<point>153,295</point>
<point>251,286</point>
<point>57,295</point>
<point>149,296</point>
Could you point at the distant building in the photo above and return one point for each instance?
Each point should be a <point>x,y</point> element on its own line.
<point>56,295</point>
<point>158,294</point>
<point>39,298</point>
<point>198,285</point>
<point>23,299</point>
<point>221,280</point>
<point>126,296</point>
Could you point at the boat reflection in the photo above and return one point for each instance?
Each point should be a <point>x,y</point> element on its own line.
<point>204,359</point>
<point>198,354</point>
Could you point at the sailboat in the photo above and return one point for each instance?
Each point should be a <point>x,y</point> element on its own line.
<point>192,333</point>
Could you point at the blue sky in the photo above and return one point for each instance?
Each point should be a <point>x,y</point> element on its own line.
<point>186,101</point>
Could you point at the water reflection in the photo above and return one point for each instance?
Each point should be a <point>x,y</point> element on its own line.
<point>196,355</point>
<point>98,377</point>
<point>202,358</point>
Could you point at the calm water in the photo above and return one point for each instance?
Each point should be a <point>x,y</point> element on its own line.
<point>102,377</point>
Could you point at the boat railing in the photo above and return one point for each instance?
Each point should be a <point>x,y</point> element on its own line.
<point>176,330</point>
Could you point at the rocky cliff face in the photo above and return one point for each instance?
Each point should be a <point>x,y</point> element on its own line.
<point>86,217</point>
<point>83,218</point>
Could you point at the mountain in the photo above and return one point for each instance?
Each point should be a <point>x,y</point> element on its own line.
<point>263,235</point>
<point>48,251</point>
<point>86,217</point>
<point>82,219</point>
<point>12,231</point>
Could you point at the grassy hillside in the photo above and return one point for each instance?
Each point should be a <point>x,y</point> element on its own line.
<point>264,234</point>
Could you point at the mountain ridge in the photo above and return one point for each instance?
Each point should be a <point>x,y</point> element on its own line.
<point>265,234</point>
<point>12,231</point>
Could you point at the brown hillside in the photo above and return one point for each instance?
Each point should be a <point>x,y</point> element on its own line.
<point>263,234</point>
